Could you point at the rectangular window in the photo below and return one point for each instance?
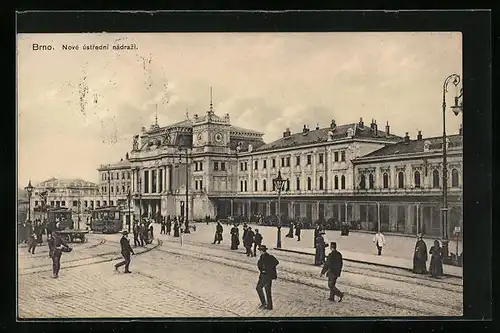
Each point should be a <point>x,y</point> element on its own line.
<point>75,203</point>
<point>201,185</point>
<point>321,158</point>
<point>282,162</point>
<point>112,189</point>
<point>195,166</point>
<point>241,186</point>
<point>336,156</point>
<point>195,184</point>
<point>104,203</point>
<point>274,163</point>
<point>245,185</point>
<point>146,181</point>
<point>160,185</point>
<point>85,203</point>
<point>256,165</point>
<point>297,160</point>
<point>52,203</point>
<point>246,166</point>
<point>288,161</point>
<point>309,159</point>
<point>241,166</point>
<point>123,175</point>
<point>216,166</point>
<point>223,166</point>
<point>264,164</point>
<point>153,181</point>
<point>111,202</point>
<point>342,156</point>
<point>201,166</point>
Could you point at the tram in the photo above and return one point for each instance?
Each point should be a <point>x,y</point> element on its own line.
<point>60,215</point>
<point>107,220</point>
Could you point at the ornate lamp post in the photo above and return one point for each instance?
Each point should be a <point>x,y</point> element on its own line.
<point>279,182</point>
<point>455,79</point>
<point>29,189</point>
<point>184,152</point>
<point>129,198</point>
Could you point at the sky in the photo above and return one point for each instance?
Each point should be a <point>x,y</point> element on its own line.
<point>78,109</point>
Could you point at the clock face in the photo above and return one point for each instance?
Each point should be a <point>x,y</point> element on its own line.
<point>218,137</point>
<point>200,138</point>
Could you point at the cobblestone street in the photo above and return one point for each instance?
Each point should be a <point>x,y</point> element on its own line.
<point>199,279</point>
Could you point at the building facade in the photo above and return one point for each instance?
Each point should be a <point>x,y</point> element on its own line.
<point>77,194</point>
<point>115,183</point>
<point>354,172</point>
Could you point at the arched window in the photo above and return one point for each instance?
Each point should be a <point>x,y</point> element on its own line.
<point>435,179</point>
<point>371,180</point>
<point>264,185</point>
<point>297,184</point>
<point>386,180</point>
<point>241,186</point>
<point>255,185</point>
<point>336,182</point>
<point>401,180</point>
<point>342,182</point>
<point>454,178</point>
<point>320,183</point>
<point>417,179</point>
<point>288,185</point>
<point>362,183</point>
<point>245,185</point>
<point>309,183</point>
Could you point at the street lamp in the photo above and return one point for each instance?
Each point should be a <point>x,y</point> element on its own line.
<point>455,79</point>
<point>278,185</point>
<point>184,151</point>
<point>129,198</point>
<point>29,189</point>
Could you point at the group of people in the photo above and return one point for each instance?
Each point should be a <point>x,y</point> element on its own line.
<point>298,229</point>
<point>178,223</point>
<point>143,232</point>
<point>249,238</point>
<point>420,258</point>
<point>31,233</point>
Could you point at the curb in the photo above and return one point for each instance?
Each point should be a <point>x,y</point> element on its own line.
<point>366,262</point>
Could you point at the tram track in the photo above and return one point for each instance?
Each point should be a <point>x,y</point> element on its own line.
<point>315,282</point>
<point>355,268</point>
<point>116,253</point>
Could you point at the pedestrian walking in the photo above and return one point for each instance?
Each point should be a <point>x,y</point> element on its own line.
<point>249,239</point>
<point>317,231</point>
<point>136,231</point>
<point>333,268</point>
<point>162,230</point>
<point>298,229</point>
<point>142,238</point>
<point>436,265</point>
<point>235,237</point>
<point>245,230</point>
<point>290,231</point>
<point>267,266</point>
<point>151,235</point>
<point>420,256</point>
<point>379,241</point>
<point>176,228</point>
<point>218,233</point>
<point>257,241</point>
<point>319,258</point>
<point>59,246</point>
<point>126,251</point>
<point>32,243</point>
<point>169,225</point>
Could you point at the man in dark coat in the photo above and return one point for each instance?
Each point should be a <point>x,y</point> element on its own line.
<point>267,267</point>
<point>245,230</point>
<point>57,249</point>
<point>316,233</point>
<point>126,251</point>
<point>162,230</point>
<point>319,258</point>
<point>176,228</point>
<point>420,256</point>
<point>218,233</point>
<point>136,231</point>
<point>333,268</point>
<point>235,235</point>
<point>142,232</point>
<point>169,225</point>
<point>257,241</point>
<point>298,229</point>
<point>249,239</point>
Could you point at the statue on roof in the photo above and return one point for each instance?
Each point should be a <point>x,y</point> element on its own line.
<point>135,144</point>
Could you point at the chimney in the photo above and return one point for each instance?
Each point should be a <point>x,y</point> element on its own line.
<point>419,135</point>
<point>317,127</point>
<point>305,130</point>
<point>374,127</point>
<point>361,124</point>
<point>387,129</point>
<point>286,133</point>
<point>407,138</point>
<point>460,130</point>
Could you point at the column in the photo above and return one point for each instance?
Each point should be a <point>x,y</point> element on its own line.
<point>165,179</point>
<point>291,209</point>
<point>418,218</point>
<point>157,180</point>
<point>268,208</point>
<point>378,215</point>
<point>249,205</point>
<point>393,217</point>
<point>232,205</point>
<point>133,186</point>
<point>346,217</point>
<point>150,181</point>
<point>409,220</point>
<point>317,210</point>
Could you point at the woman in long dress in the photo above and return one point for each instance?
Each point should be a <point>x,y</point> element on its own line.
<point>234,238</point>
<point>176,228</point>
<point>436,265</point>
<point>290,231</point>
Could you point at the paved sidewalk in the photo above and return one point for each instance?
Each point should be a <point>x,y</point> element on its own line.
<point>358,246</point>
